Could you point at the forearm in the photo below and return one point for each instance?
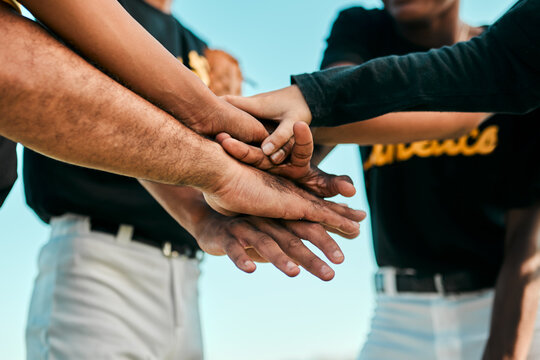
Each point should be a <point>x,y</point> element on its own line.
<point>400,127</point>
<point>107,35</point>
<point>186,205</point>
<point>490,73</point>
<point>517,291</point>
<point>57,104</point>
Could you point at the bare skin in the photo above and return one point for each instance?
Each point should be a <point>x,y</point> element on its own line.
<point>430,23</point>
<point>62,107</point>
<point>298,168</point>
<point>388,129</point>
<point>245,239</point>
<point>424,22</point>
<point>287,107</point>
<point>518,288</point>
<point>108,36</point>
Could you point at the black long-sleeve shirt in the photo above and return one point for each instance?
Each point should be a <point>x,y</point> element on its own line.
<point>498,72</point>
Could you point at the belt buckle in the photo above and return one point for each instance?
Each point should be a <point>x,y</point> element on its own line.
<point>168,251</point>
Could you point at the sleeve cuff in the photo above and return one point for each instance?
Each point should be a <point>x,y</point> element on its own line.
<point>315,99</point>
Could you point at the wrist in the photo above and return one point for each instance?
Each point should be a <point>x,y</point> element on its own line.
<point>216,169</point>
<point>185,95</point>
<point>301,110</point>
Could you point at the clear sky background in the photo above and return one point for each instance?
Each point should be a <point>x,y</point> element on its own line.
<point>265,315</point>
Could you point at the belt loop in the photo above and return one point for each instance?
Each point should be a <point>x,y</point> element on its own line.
<point>389,278</point>
<point>168,251</point>
<point>125,234</point>
<point>439,284</point>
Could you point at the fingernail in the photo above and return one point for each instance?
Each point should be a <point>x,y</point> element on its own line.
<point>249,264</point>
<point>291,266</point>
<point>326,271</point>
<point>268,148</point>
<point>338,255</point>
<point>356,228</point>
<point>277,156</point>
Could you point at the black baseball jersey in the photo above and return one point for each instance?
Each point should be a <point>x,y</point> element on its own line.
<point>438,206</point>
<point>54,188</point>
<point>8,167</point>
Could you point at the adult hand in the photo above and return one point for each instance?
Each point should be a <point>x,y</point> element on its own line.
<point>246,190</point>
<point>287,106</point>
<point>224,117</point>
<point>225,79</point>
<point>245,239</point>
<point>299,168</point>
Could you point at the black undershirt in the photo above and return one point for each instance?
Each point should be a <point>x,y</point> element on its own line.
<point>439,207</point>
<point>54,188</point>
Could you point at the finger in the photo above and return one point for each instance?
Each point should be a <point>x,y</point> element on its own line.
<point>346,211</point>
<point>222,136</point>
<point>254,105</point>
<point>242,125</point>
<point>279,156</point>
<point>335,216</point>
<point>238,255</point>
<point>254,255</point>
<point>303,145</point>
<point>278,138</point>
<point>344,185</point>
<point>211,201</point>
<point>266,247</point>
<point>245,153</point>
<point>326,185</point>
<point>317,235</point>
<point>293,246</point>
<point>342,234</point>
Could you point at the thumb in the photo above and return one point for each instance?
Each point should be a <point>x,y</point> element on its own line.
<point>214,205</point>
<point>345,185</point>
<point>278,138</point>
<point>243,126</point>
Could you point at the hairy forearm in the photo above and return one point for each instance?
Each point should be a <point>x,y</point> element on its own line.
<point>107,35</point>
<point>400,127</point>
<point>57,104</point>
<point>518,288</point>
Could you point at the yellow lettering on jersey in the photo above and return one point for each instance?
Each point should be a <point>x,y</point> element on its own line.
<point>199,65</point>
<point>475,143</point>
<point>14,4</point>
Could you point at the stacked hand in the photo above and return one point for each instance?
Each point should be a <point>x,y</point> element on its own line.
<point>286,106</point>
<point>298,168</point>
<point>262,211</point>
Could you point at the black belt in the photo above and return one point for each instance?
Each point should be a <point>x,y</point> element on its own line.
<point>170,249</point>
<point>406,280</point>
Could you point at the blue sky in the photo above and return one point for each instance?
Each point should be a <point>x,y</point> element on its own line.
<point>265,315</point>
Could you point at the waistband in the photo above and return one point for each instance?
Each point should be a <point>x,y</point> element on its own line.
<point>123,233</point>
<point>392,281</point>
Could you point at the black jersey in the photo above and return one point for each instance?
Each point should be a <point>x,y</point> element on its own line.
<point>54,188</point>
<point>8,167</point>
<point>438,206</point>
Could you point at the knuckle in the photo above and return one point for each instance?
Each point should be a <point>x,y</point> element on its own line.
<point>314,230</point>
<point>294,244</point>
<point>264,241</point>
<point>231,249</point>
<point>227,98</point>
